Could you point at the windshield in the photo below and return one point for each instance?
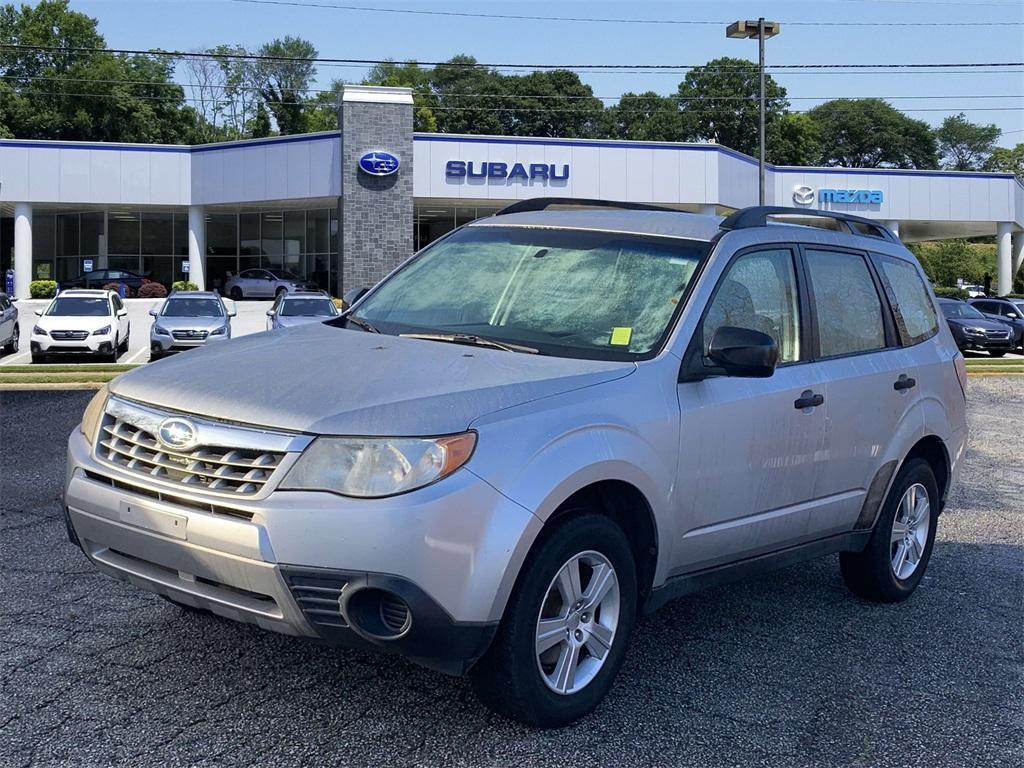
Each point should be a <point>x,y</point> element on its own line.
<point>308,308</point>
<point>569,293</point>
<point>192,308</point>
<point>960,309</point>
<point>79,306</point>
<point>283,274</point>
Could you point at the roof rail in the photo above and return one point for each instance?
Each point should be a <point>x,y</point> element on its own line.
<point>543,203</point>
<point>757,216</point>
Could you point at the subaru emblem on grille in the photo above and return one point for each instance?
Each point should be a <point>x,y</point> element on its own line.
<point>177,433</point>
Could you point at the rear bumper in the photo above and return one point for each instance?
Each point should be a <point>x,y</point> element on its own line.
<point>246,565</point>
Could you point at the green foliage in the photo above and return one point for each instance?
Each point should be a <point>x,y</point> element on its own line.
<point>945,292</point>
<point>719,102</point>
<point>871,133</point>
<point>283,84</point>
<point>184,285</point>
<point>947,261</point>
<point>42,289</point>
<point>963,145</point>
<point>794,139</point>
<point>647,117</point>
<point>1004,160</point>
<point>259,126</point>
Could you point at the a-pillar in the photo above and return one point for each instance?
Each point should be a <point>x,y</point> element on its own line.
<point>197,246</point>
<point>894,227</point>
<point>1017,247</point>
<point>22,249</point>
<point>1004,232</point>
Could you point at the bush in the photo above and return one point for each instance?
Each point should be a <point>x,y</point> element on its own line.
<point>152,291</point>
<point>42,289</point>
<point>184,285</point>
<point>116,288</point>
<point>951,293</point>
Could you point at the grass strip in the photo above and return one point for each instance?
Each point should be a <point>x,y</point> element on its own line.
<point>59,368</point>
<point>49,378</point>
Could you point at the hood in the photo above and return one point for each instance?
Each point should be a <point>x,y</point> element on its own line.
<point>329,380</point>
<point>290,321</point>
<point>73,322</point>
<point>190,323</point>
<point>983,323</point>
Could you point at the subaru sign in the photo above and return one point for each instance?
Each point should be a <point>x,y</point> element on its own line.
<point>460,169</point>
<point>379,163</point>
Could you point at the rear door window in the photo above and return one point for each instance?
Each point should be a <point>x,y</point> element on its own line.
<point>847,306</point>
<point>912,307</point>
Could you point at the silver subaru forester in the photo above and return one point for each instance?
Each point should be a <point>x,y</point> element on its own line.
<point>539,427</point>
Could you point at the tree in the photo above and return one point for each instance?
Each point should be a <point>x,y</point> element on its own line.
<point>794,139</point>
<point>469,98</point>
<point>1006,160</point>
<point>283,76</point>
<point>871,133</point>
<point>647,116</point>
<point>241,90</point>
<point>963,145</point>
<point>322,109</point>
<point>720,99</point>
<point>551,103</point>
<point>409,75</point>
<point>259,127</point>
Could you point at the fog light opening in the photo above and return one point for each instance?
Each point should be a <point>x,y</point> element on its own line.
<point>377,613</point>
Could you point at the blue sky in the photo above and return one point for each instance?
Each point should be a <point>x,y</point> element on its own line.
<point>190,24</point>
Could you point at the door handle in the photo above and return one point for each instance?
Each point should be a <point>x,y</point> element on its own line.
<point>808,399</point>
<point>904,382</point>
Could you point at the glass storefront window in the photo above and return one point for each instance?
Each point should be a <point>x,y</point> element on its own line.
<point>272,223</point>
<point>67,234</point>
<point>157,234</point>
<point>180,234</point>
<point>92,231</point>
<point>249,234</point>
<point>124,232</point>
<point>43,235</point>
<point>222,234</point>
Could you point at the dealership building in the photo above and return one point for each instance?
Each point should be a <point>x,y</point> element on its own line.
<point>344,207</point>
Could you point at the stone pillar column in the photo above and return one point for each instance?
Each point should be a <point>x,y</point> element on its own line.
<point>22,250</point>
<point>375,233</point>
<point>1004,231</point>
<point>197,246</point>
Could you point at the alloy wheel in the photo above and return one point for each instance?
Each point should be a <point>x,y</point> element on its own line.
<point>910,531</point>
<point>577,622</point>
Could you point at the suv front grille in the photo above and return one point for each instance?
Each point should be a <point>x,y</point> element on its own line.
<point>69,335</point>
<point>997,334</point>
<point>190,335</point>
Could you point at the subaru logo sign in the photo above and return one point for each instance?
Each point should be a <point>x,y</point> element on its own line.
<point>378,163</point>
<point>803,195</point>
<point>177,434</point>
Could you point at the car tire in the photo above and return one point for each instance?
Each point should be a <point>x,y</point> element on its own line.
<point>123,349</point>
<point>12,346</point>
<point>874,573</point>
<point>512,678</point>
<point>236,293</point>
<point>38,357</point>
<point>997,354</point>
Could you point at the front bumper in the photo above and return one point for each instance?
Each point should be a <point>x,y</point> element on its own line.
<point>89,345</point>
<point>302,563</point>
<point>983,344</point>
<point>165,345</point>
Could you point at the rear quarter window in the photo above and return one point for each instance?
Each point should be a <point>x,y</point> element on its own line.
<point>912,307</point>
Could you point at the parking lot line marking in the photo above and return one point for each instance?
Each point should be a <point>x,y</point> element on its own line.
<point>15,358</point>
<point>133,357</point>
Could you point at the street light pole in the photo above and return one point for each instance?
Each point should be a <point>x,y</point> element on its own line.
<point>762,30</point>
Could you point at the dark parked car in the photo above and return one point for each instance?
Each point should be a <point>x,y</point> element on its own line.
<point>973,331</point>
<point>1009,311</point>
<point>9,328</point>
<point>100,277</point>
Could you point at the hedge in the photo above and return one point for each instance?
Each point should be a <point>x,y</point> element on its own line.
<point>152,291</point>
<point>42,289</point>
<point>944,292</point>
<point>184,285</point>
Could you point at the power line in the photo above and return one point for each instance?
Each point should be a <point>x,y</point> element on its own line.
<point>601,20</point>
<point>479,65</point>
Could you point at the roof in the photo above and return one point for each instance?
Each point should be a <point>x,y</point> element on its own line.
<point>194,295</point>
<point>691,226</point>
<point>84,292</point>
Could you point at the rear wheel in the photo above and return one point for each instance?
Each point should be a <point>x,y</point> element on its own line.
<point>38,357</point>
<point>236,293</point>
<point>566,627</point>
<point>124,344</point>
<point>894,561</point>
<point>12,346</point>
<point>998,354</point>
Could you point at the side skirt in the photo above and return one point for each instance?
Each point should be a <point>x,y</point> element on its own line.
<point>688,583</point>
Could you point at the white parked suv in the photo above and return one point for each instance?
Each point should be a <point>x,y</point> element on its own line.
<point>540,427</point>
<point>81,321</point>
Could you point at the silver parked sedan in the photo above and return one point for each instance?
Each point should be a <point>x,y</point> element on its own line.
<point>265,284</point>
<point>291,309</point>
<point>188,320</point>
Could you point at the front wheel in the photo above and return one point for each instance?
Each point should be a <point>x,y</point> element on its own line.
<point>566,627</point>
<point>998,354</point>
<point>894,561</point>
<point>12,346</point>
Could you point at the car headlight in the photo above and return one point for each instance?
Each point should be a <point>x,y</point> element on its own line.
<point>159,330</point>
<point>974,331</point>
<point>94,412</point>
<point>101,331</point>
<point>219,331</point>
<point>40,331</point>
<point>369,467</point>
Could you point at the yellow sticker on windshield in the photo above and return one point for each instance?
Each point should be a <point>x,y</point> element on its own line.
<point>621,336</point>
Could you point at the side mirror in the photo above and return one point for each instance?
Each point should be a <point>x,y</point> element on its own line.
<point>744,352</point>
<point>122,313</point>
<point>1012,315</point>
<point>353,295</point>
<point>271,313</point>
<point>232,313</point>
<point>153,313</point>
<point>39,313</point>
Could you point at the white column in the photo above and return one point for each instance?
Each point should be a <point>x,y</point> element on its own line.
<point>22,249</point>
<point>1017,247</point>
<point>894,226</point>
<point>709,210</point>
<point>1004,230</point>
<point>197,246</point>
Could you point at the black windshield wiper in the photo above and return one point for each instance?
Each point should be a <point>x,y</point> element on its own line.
<point>471,340</point>
<point>361,323</point>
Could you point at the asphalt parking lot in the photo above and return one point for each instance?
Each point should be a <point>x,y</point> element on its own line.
<point>786,670</point>
<point>251,318</point>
